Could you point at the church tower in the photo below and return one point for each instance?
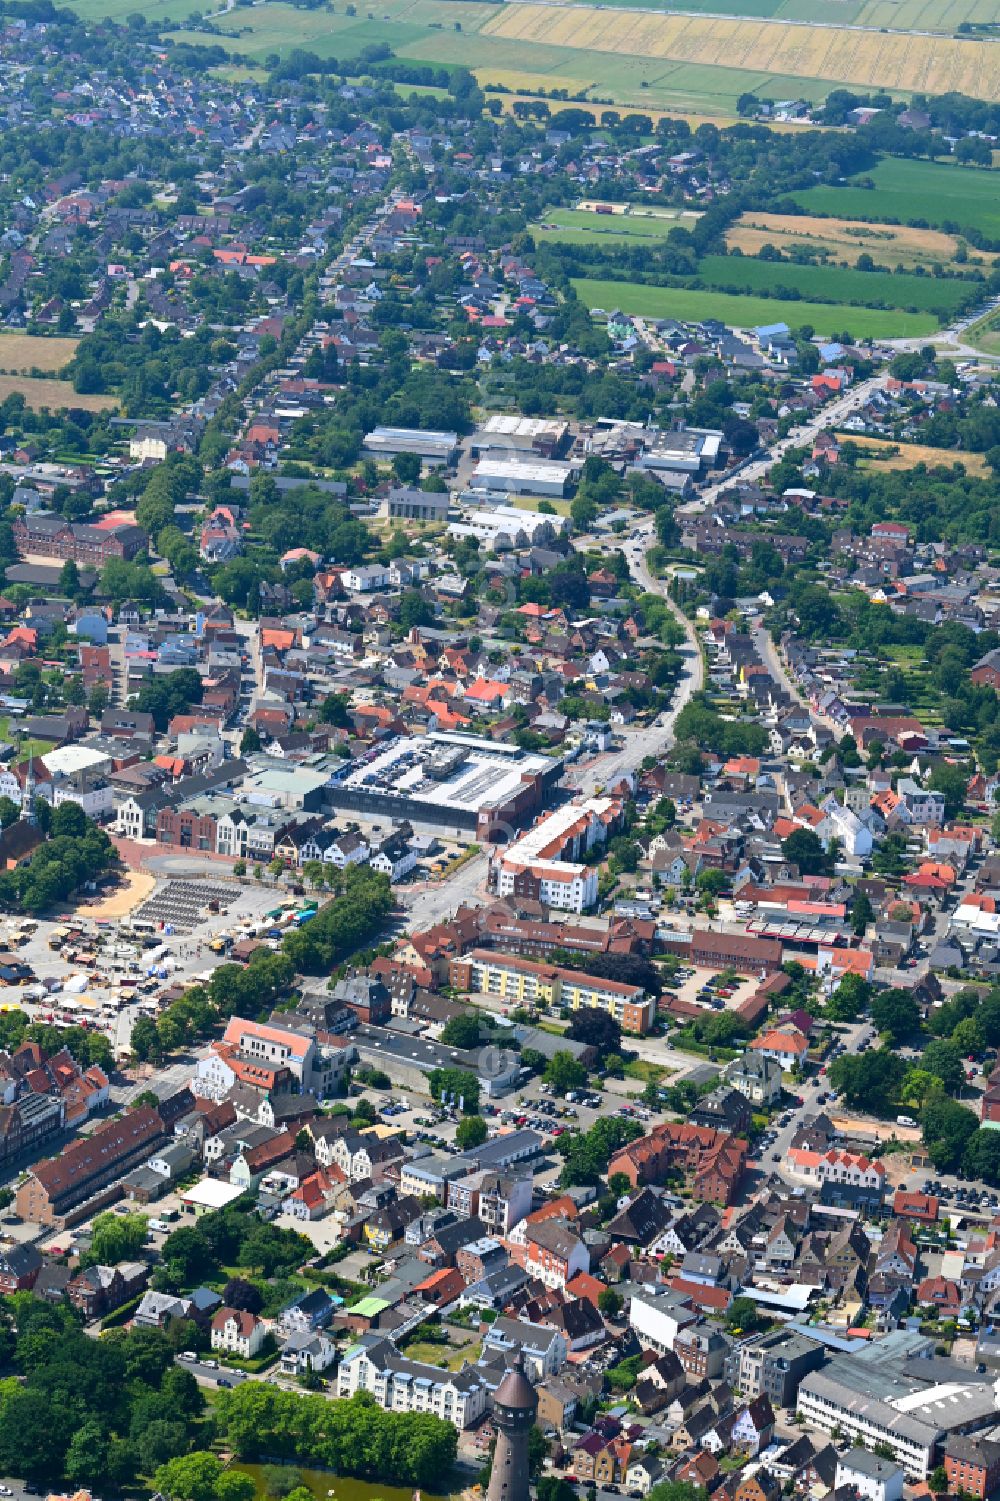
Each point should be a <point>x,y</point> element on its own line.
<point>514,1407</point>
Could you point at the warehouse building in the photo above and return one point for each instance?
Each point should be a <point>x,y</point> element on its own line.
<point>508,432</point>
<point>688,450</point>
<point>434,449</point>
<point>893,1393</point>
<point>508,476</point>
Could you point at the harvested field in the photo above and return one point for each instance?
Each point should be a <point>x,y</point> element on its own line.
<point>34,352</point>
<point>845,239</point>
<point>886,455</point>
<point>931,64</point>
<point>39,392</point>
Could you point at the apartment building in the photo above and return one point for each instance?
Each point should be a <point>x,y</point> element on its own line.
<point>972,1464</point>
<point>545,862</point>
<point>773,1365</point>
<point>500,1201</point>
<point>527,983</point>
<point>400,1385</point>
<point>237,1332</point>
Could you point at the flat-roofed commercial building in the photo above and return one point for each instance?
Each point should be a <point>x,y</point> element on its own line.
<point>464,783</point>
<point>545,477</point>
<point>435,449</point>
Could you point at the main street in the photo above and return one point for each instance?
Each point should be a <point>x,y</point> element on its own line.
<point>802,436</point>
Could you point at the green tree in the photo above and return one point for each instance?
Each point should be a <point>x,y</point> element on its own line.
<point>951,781</point>
<point>191,1477</point>
<point>711,881</point>
<point>947,1128</point>
<point>871,1079</point>
<point>896,1014</point>
<point>470,1132</point>
<point>461,1031</point>
<point>806,850</point>
<point>564,1072</point>
<point>455,1083</point>
<point>609,1303</point>
<point>982,1157</point>
<point>742,1314</point>
<point>942,1059</point>
<point>114,1238</point>
<point>862,913</point>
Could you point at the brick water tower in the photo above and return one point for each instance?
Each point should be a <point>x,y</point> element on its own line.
<point>514,1407</point>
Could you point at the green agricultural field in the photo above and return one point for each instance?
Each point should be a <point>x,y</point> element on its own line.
<point>634,298</point>
<point>839,284</point>
<point>937,193</point>
<point>119,10</point>
<point>424,31</point>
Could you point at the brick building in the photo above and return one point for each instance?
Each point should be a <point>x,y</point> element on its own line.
<point>59,1184</point>
<point>972,1464</point>
<point>186,829</point>
<point>711,1162</point>
<point>49,536</point>
<point>722,950</point>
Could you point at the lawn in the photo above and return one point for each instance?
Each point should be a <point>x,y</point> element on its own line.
<point>446,1356</point>
<point>119,10</point>
<point>29,746</point>
<point>934,192</point>
<point>648,80</point>
<point>634,298</point>
<point>840,284</point>
<point>20,353</point>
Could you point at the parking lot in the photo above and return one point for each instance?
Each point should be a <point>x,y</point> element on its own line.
<point>693,981</point>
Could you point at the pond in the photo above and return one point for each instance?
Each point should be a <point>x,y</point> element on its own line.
<point>323,1482</point>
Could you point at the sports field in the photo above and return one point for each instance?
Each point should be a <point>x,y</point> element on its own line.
<point>24,352</point>
<point>912,190</point>
<point>634,298</point>
<point>840,284</point>
<point>584,227</point>
<point>845,239</point>
<point>932,64</point>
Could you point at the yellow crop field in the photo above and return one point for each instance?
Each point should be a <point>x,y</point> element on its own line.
<point>887,244</point>
<point>34,352</point>
<point>39,392</point>
<point>505,78</point>
<point>931,64</point>
<point>886,455</point>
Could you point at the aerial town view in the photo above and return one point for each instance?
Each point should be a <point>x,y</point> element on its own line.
<point>500,750</point>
